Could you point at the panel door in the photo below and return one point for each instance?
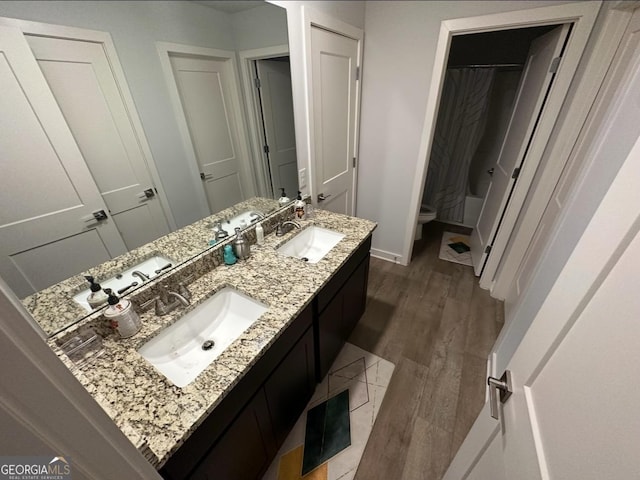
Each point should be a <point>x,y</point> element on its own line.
<point>47,230</point>
<point>277,111</point>
<point>575,408</point>
<point>534,85</point>
<point>333,64</point>
<point>84,86</point>
<point>204,86</point>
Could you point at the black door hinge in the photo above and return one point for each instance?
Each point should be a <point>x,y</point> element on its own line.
<point>516,173</point>
<point>266,149</point>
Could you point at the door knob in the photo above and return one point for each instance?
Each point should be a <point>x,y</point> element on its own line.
<point>97,216</point>
<point>322,196</point>
<point>205,176</point>
<point>490,171</point>
<point>499,388</point>
<point>148,193</point>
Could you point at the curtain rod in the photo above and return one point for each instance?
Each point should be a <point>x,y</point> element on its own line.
<point>490,65</point>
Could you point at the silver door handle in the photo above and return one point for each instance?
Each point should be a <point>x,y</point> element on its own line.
<point>148,193</point>
<point>97,216</point>
<point>502,385</point>
<point>490,171</point>
<point>322,196</point>
<point>205,176</point>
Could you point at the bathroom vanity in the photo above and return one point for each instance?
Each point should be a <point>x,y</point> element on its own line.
<point>230,421</point>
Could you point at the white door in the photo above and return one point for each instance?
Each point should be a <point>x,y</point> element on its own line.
<point>83,84</point>
<point>48,196</point>
<point>532,92</point>
<point>205,89</point>
<point>334,70</point>
<point>575,408</point>
<point>276,101</point>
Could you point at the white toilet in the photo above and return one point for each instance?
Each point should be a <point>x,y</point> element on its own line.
<point>427,214</point>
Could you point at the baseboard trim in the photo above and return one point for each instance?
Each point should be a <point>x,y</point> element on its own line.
<point>387,256</point>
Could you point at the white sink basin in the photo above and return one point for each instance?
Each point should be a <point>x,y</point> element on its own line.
<point>241,220</point>
<point>148,267</point>
<point>311,244</point>
<point>180,351</point>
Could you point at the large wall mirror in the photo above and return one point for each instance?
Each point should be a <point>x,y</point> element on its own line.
<point>124,122</point>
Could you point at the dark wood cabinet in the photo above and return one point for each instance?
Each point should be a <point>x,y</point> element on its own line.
<point>241,436</point>
<point>291,386</point>
<point>246,448</point>
<point>338,308</point>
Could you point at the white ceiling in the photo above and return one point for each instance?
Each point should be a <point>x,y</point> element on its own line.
<point>231,6</point>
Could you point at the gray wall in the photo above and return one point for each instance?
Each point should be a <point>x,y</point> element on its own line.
<point>400,44</point>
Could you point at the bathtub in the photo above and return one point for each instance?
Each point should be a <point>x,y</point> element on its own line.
<point>472,208</point>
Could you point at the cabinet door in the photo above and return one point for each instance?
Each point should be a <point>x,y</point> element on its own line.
<point>245,450</point>
<point>330,334</point>
<point>290,387</point>
<point>340,316</point>
<point>355,297</point>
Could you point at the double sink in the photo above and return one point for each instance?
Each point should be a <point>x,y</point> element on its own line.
<point>184,349</point>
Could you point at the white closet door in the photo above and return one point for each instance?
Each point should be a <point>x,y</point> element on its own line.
<point>279,128</point>
<point>334,62</point>
<point>48,196</point>
<point>206,87</point>
<point>84,86</point>
<point>532,94</point>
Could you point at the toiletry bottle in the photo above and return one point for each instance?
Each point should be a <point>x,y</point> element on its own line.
<point>122,315</point>
<point>259,234</point>
<point>299,208</point>
<point>241,246</point>
<point>283,200</point>
<point>97,297</point>
<point>229,257</point>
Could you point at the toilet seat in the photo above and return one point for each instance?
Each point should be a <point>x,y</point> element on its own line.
<point>427,214</point>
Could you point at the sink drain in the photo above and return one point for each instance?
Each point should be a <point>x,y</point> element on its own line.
<point>208,345</point>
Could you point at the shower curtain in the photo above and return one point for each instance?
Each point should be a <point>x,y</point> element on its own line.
<point>459,128</point>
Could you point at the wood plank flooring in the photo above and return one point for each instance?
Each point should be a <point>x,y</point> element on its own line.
<point>437,326</point>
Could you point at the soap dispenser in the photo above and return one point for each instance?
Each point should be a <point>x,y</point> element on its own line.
<point>241,246</point>
<point>97,297</point>
<point>300,207</point>
<point>122,315</point>
<point>283,200</point>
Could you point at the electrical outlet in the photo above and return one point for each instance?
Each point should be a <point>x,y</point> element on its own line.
<point>302,177</point>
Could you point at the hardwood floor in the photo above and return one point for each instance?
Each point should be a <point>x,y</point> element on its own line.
<point>437,326</point>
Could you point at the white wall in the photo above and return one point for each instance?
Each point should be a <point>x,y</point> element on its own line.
<point>259,27</point>
<point>399,49</point>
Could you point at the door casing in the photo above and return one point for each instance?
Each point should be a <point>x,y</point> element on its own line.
<point>583,16</point>
<point>313,18</point>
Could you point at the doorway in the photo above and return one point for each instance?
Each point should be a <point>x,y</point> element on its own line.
<point>581,17</point>
<point>266,81</point>
<point>494,91</point>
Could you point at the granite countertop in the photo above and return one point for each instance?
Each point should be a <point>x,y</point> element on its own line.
<point>158,416</point>
<point>179,246</point>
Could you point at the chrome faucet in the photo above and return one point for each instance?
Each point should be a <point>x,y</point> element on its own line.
<point>142,276</point>
<point>164,305</point>
<point>281,228</point>
<point>220,232</point>
<point>255,216</point>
